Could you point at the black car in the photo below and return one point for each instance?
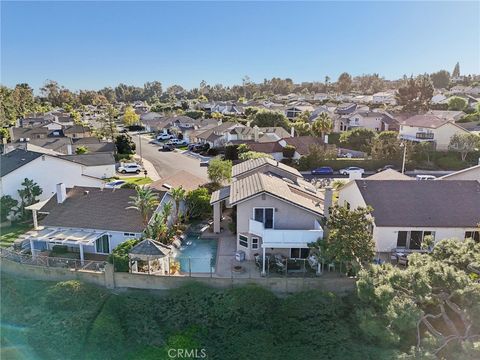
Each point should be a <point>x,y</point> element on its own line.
<point>167,147</point>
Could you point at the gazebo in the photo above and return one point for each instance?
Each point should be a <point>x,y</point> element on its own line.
<point>149,256</point>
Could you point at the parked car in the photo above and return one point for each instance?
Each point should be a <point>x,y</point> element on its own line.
<point>324,170</point>
<point>177,142</point>
<point>115,184</point>
<point>164,136</point>
<point>129,168</point>
<point>386,167</point>
<point>425,177</point>
<point>351,169</point>
<point>204,163</point>
<point>198,147</point>
<point>167,147</point>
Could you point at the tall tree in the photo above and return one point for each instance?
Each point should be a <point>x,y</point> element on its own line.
<point>144,202</point>
<point>178,195</point>
<point>464,144</point>
<point>267,118</point>
<point>440,79</point>
<point>322,125</point>
<point>219,170</point>
<point>456,70</point>
<point>344,82</point>
<point>457,103</point>
<point>130,118</point>
<point>29,193</point>
<point>415,94</point>
<point>386,146</point>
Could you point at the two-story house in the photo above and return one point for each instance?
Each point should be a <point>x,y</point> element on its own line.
<point>420,128</point>
<point>372,120</point>
<point>277,211</point>
<point>405,212</point>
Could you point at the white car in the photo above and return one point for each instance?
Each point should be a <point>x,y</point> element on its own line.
<point>351,169</point>
<point>164,137</point>
<point>177,142</point>
<point>425,177</point>
<point>130,168</point>
<point>115,184</point>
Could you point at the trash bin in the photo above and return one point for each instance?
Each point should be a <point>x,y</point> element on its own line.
<point>240,255</point>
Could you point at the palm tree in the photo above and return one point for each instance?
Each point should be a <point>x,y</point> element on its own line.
<point>167,211</point>
<point>144,202</point>
<point>322,125</point>
<point>178,195</point>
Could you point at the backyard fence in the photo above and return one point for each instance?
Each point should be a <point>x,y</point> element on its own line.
<point>47,261</point>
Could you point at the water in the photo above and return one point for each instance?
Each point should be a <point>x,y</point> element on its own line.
<point>14,343</point>
<point>197,255</point>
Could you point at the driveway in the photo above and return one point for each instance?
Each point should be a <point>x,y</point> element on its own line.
<point>168,163</point>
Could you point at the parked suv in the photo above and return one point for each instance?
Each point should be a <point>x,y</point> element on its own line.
<point>177,142</point>
<point>164,137</point>
<point>129,168</point>
<point>351,169</point>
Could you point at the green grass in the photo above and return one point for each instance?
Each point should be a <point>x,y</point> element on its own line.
<point>137,180</point>
<point>185,147</point>
<point>9,234</point>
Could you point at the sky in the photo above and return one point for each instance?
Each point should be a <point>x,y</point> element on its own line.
<point>90,45</point>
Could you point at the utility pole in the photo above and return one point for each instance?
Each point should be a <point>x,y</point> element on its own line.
<point>404,156</point>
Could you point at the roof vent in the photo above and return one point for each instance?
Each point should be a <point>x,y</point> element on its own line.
<point>86,192</point>
<point>167,186</point>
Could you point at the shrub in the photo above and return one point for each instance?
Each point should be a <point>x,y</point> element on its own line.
<point>231,152</point>
<point>289,151</point>
<point>212,152</point>
<point>119,256</point>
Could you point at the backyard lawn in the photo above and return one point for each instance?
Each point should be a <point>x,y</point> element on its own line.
<point>9,234</point>
<point>137,180</point>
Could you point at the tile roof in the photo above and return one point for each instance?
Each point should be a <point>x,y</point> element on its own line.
<point>266,147</point>
<point>220,194</point>
<point>453,203</point>
<point>259,183</point>
<point>182,178</point>
<point>427,121</point>
<point>94,208</point>
<point>16,159</point>
<point>255,164</point>
<point>302,143</point>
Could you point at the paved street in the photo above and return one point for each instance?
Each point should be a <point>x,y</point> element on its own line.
<point>168,163</point>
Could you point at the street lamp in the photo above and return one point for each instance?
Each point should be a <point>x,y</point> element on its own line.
<point>404,155</point>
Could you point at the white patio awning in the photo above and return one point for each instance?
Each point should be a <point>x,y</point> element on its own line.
<point>37,206</point>
<point>67,236</point>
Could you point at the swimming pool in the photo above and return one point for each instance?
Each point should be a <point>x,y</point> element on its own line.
<point>197,255</point>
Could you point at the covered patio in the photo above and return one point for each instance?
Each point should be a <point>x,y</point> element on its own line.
<point>46,238</point>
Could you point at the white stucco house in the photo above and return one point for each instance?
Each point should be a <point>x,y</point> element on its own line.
<point>421,128</point>
<point>404,212</point>
<point>277,211</point>
<point>48,170</point>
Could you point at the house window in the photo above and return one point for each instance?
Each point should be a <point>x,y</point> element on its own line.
<point>243,241</point>
<point>412,239</point>
<point>347,205</point>
<point>103,244</point>
<point>265,216</point>
<point>475,235</point>
<point>129,235</point>
<point>299,253</point>
<point>254,243</point>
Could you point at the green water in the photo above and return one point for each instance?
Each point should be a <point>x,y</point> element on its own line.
<point>14,343</point>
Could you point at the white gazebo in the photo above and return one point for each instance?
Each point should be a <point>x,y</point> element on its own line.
<point>154,253</point>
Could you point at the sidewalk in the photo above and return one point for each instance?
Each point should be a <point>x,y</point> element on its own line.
<point>147,165</point>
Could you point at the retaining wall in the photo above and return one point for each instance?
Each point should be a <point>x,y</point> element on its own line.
<point>112,280</point>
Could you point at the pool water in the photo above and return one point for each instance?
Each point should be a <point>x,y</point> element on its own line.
<point>197,255</point>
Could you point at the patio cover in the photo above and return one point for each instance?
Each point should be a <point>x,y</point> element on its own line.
<point>67,236</point>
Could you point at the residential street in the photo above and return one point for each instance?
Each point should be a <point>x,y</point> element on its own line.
<point>168,163</point>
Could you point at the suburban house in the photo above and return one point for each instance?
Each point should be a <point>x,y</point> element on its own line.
<point>216,136</point>
<point>47,170</point>
<point>259,134</point>
<point>302,144</point>
<point>87,220</point>
<point>384,97</point>
<point>405,212</point>
<point>293,110</point>
<point>449,115</point>
<point>277,211</point>
<point>372,120</point>
<point>420,128</point>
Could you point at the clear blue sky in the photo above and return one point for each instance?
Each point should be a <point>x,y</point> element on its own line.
<point>92,44</point>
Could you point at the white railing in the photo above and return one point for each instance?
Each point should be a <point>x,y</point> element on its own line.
<point>286,237</point>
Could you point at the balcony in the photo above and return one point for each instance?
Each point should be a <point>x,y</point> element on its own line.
<point>424,136</point>
<point>286,238</point>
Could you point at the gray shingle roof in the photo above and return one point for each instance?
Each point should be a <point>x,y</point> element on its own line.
<point>16,159</point>
<point>255,164</point>
<point>150,247</point>
<point>454,203</point>
<point>93,208</point>
<point>95,159</point>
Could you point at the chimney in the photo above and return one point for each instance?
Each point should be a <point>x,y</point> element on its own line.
<point>69,149</point>
<point>61,193</point>
<point>292,132</point>
<point>255,133</point>
<point>328,202</point>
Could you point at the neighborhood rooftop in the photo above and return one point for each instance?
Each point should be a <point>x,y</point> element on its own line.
<point>451,203</point>
<point>255,164</point>
<point>94,208</point>
<point>16,159</point>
